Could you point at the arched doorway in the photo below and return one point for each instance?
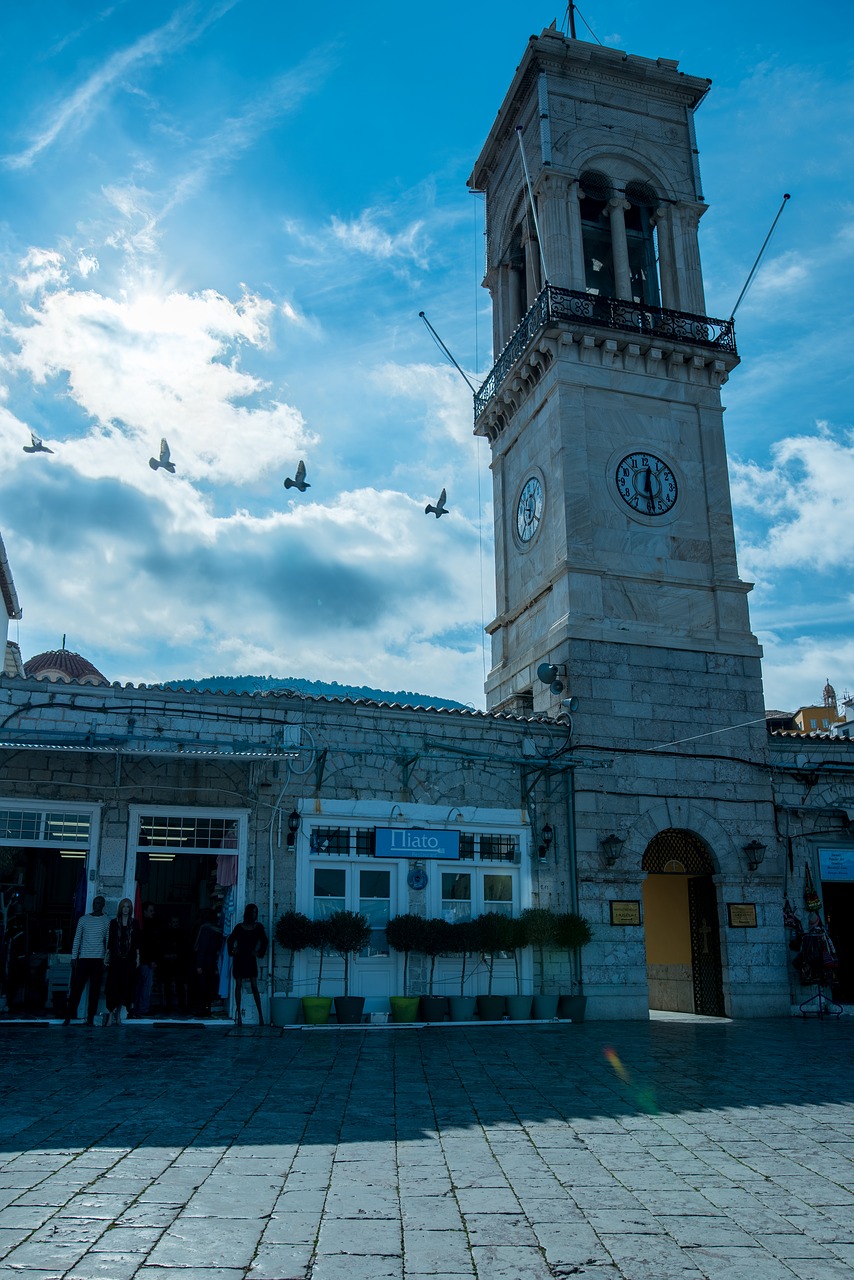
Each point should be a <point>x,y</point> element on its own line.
<point>683,952</point>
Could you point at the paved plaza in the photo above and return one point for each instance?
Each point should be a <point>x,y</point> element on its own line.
<point>647,1151</point>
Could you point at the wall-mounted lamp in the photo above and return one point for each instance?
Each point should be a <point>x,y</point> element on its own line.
<point>754,852</point>
<point>393,814</point>
<point>293,827</point>
<point>454,814</point>
<point>547,836</point>
<point>612,847</point>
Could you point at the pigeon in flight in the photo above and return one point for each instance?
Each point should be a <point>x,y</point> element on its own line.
<point>440,509</point>
<point>37,446</point>
<point>163,461</point>
<point>300,482</point>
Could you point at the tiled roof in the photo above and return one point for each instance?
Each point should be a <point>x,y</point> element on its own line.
<point>62,664</point>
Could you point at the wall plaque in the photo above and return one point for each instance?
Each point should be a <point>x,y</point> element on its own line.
<point>625,912</point>
<point>741,915</point>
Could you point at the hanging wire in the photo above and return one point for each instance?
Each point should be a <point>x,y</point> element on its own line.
<point>753,269</point>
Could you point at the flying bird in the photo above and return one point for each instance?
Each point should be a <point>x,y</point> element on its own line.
<point>440,509</point>
<point>300,482</point>
<point>164,459</point>
<point>37,446</point>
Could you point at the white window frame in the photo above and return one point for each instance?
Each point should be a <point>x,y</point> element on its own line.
<point>92,811</point>
<point>240,816</point>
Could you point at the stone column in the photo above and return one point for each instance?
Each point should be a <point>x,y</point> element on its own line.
<point>667,275</point>
<point>516,304</point>
<point>619,248</point>
<point>533,268</point>
<point>553,209</point>
<point>577,272</point>
<point>689,275</point>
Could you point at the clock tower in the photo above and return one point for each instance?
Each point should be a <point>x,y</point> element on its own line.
<point>613,523</point>
<point>616,576</point>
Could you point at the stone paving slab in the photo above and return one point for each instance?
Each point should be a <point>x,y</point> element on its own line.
<point>493,1153</point>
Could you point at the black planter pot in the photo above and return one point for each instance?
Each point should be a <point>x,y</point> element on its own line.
<point>433,1008</point>
<point>490,1008</point>
<point>349,1009</point>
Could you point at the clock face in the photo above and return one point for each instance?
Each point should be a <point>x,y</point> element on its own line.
<point>646,483</point>
<point>529,511</point>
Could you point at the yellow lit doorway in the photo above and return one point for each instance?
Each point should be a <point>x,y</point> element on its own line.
<point>683,955</point>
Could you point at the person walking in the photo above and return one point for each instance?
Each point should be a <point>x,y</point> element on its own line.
<point>246,943</point>
<point>123,941</point>
<point>88,951</point>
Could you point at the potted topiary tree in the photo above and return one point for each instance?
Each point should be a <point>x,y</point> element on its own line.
<point>438,934</point>
<point>572,932</point>
<point>405,933</point>
<point>494,934</point>
<point>518,1006</point>
<point>539,924</point>
<point>316,1008</point>
<point>293,933</point>
<point>462,943</point>
<point>348,932</point>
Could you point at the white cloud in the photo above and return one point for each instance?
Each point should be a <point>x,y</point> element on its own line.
<point>364,235</point>
<point>804,497</point>
<point>153,364</point>
<point>78,107</point>
<point>40,269</point>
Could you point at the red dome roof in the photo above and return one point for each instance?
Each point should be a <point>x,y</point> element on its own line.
<point>63,665</point>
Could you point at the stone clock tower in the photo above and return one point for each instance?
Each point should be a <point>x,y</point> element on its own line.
<point>612,509</point>
<point>614,547</point>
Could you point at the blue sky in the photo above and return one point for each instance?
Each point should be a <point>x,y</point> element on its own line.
<point>219,221</point>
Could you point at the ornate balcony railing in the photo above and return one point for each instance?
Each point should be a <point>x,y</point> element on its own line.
<point>572,306</point>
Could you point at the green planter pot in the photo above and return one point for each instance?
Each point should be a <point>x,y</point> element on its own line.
<point>519,1008</point>
<point>490,1008</point>
<point>403,1008</point>
<point>573,1007</point>
<point>461,1008</point>
<point>434,1008</point>
<point>545,1008</point>
<point>285,1011</point>
<point>316,1009</point>
<point>349,1010</point>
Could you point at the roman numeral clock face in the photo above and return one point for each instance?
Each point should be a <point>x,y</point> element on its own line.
<point>646,483</point>
<point>529,510</point>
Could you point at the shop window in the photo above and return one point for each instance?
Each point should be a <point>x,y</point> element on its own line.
<point>456,895</point>
<point>375,904</point>
<point>341,842</point>
<point>498,894</point>
<point>488,847</point>
<point>330,891</point>
<point>33,826</point>
<point>165,831</point>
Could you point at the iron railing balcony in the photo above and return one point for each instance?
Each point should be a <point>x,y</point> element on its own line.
<point>572,306</point>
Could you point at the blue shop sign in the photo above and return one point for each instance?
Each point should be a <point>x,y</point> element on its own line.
<point>400,842</point>
<point>836,864</point>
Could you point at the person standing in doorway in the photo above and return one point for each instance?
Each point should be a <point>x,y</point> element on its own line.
<point>246,943</point>
<point>149,956</point>
<point>88,951</point>
<point>174,965</point>
<point>123,943</point>
<point>205,957</point>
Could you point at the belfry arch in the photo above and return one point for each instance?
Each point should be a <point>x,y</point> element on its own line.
<point>682,929</point>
